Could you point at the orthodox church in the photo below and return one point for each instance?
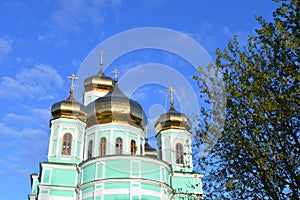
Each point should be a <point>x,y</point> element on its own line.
<point>99,150</point>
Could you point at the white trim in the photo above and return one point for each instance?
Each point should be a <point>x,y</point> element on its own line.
<point>81,175</point>
<point>126,157</point>
<point>58,166</point>
<point>127,191</point>
<point>92,183</point>
<point>50,175</point>
<point>112,143</point>
<point>97,169</point>
<point>194,196</point>
<point>139,167</point>
<point>134,194</point>
<point>190,175</point>
<point>117,126</point>
<point>59,120</point>
<point>128,144</point>
<point>47,187</point>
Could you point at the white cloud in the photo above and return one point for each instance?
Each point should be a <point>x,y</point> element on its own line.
<point>242,35</point>
<point>141,94</point>
<point>25,128</point>
<point>206,34</point>
<point>229,33</point>
<point>5,46</point>
<point>75,13</point>
<point>29,117</point>
<point>30,146</point>
<point>74,16</point>
<point>8,131</point>
<point>31,83</point>
<point>25,144</point>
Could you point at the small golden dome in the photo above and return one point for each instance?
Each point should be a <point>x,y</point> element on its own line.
<point>150,151</point>
<point>116,107</point>
<point>172,120</point>
<point>69,108</point>
<point>98,82</point>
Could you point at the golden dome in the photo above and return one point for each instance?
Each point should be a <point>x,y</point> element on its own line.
<point>116,107</point>
<point>98,82</point>
<point>172,120</point>
<point>69,108</point>
<point>150,151</point>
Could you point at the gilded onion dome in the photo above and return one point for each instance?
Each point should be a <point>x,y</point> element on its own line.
<point>69,108</point>
<point>116,107</point>
<point>150,151</point>
<point>98,82</point>
<point>172,119</point>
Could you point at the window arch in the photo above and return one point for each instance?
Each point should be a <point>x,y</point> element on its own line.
<point>179,153</point>
<point>119,145</point>
<point>67,144</point>
<point>102,151</point>
<point>132,147</point>
<point>90,149</point>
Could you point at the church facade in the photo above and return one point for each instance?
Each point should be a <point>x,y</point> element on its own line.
<point>99,150</point>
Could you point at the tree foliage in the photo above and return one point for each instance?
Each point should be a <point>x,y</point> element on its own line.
<point>258,153</point>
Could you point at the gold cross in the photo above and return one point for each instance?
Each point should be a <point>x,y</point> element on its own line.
<point>116,73</point>
<point>73,78</point>
<point>101,57</point>
<point>171,90</point>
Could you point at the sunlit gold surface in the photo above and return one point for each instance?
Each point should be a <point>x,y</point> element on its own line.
<point>172,120</point>
<point>98,82</point>
<point>116,107</point>
<point>149,151</point>
<point>69,109</point>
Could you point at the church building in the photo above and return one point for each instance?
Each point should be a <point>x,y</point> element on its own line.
<point>99,150</point>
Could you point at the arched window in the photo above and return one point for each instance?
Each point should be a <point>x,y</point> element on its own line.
<point>67,144</point>
<point>179,153</point>
<point>132,147</point>
<point>119,145</point>
<point>90,149</point>
<point>102,147</point>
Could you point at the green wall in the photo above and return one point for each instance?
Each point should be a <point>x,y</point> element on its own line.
<point>62,193</point>
<point>63,177</point>
<point>89,173</point>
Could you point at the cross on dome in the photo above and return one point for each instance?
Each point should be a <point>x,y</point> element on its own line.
<point>171,90</point>
<point>101,56</point>
<point>102,53</point>
<point>116,74</point>
<point>73,78</point>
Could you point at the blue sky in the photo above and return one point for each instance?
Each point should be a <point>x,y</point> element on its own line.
<point>42,42</point>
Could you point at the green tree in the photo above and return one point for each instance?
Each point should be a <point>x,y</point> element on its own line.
<point>257,153</point>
